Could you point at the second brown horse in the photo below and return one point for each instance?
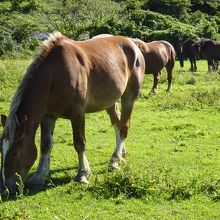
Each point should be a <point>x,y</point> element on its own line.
<point>158,54</point>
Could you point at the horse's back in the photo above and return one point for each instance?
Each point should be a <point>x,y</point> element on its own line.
<point>102,36</point>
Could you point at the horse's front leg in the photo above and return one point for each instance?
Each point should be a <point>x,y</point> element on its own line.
<point>191,64</point>
<point>78,125</point>
<point>42,173</point>
<point>195,67</point>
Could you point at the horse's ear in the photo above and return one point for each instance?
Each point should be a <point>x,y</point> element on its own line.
<point>3,119</point>
<point>22,126</point>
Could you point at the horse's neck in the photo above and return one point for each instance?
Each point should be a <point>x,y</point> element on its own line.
<point>33,105</point>
<point>33,118</point>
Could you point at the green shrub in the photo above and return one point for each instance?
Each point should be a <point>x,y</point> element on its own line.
<point>149,20</point>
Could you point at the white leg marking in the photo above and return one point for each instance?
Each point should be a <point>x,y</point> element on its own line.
<point>43,169</point>
<point>5,147</point>
<point>118,140</point>
<point>84,165</point>
<point>44,165</point>
<point>120,146</point>
<point>116,133</point>
<point>84,169</point>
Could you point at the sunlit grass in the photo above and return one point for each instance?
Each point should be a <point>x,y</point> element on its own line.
<point>172,170</point>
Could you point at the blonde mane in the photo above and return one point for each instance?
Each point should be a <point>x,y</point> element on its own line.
<point>12,121</point>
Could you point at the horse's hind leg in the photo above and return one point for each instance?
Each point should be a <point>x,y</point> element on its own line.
<point>169,78</point>
<point>42,173</point>
<point>216,65</point>
<point>78,125</point>
<point>115,115</point>
<point>127,103</point>
<point>155,85</point>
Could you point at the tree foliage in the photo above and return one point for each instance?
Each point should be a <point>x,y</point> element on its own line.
<point>171,20</point>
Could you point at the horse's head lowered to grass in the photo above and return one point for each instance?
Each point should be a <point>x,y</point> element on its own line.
<point>18,153</point>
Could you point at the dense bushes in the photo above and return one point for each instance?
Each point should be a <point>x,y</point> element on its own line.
<point>172,20</point>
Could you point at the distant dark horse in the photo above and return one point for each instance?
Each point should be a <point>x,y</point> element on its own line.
<point>189,49</point>
<point>157,55</point>
<point>210,49</point>
<point>68,79</point>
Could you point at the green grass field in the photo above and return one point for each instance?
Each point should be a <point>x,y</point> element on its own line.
<point>172,170</point>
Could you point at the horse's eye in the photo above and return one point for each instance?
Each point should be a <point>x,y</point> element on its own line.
<point>14,154</point>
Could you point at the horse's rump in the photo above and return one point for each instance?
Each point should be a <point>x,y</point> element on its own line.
<point>211,49</point>
<point>157,54</point>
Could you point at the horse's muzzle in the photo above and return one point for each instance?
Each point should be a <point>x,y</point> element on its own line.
<point>9,189</point>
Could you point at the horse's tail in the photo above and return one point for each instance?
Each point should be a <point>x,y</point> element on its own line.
<point>170,66</point>
<point>136,64</point>
<point>172,56</point>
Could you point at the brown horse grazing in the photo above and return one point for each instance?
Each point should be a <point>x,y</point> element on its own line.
<point>210,49</point>
<point>158,54</point>
<point>68,79</point>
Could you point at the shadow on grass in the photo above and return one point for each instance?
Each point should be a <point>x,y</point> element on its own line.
<point>51,183</point>
<point>58,177</point>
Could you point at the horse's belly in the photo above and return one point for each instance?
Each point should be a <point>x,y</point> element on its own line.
<point>155,64</point>
<point>101,100</point>
<point>105,89</point>
<point>107,79</point>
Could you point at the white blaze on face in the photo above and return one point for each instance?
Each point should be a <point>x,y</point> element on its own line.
<point>5,147</point>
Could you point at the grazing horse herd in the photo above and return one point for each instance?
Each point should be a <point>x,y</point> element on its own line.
<point>202,48</point>
<point>69,79</point>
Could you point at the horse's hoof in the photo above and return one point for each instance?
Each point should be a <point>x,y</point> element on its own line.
<point>124,153</point>
<point>35,186</point>
<point>114,165</point>
<point>35,181</point>
<point>6,194</point>
<point>82,179</point>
